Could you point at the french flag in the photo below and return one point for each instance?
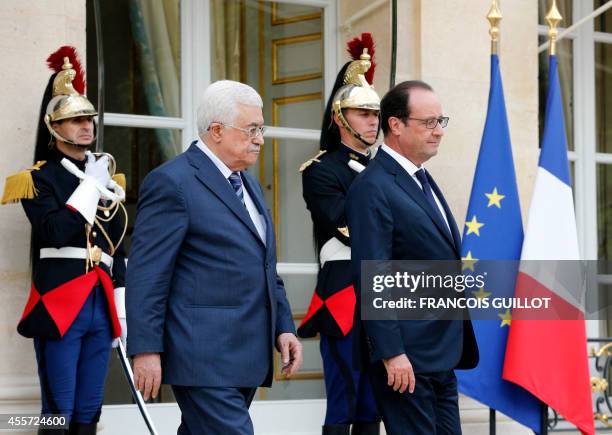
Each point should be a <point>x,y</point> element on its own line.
<point>548,357</point>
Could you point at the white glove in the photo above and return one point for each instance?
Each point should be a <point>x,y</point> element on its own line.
<point>97,169</point>
<point>86,197</point>
<point>120,308</point>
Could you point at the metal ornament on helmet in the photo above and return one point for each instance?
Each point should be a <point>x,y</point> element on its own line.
<point>356,93</point>
<point>66,102</point>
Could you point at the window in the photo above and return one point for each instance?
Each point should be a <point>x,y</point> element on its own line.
<point>160,55</point>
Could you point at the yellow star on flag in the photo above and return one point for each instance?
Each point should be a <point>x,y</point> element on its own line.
<point>473,226</point>
<point>506,318</point>
<point>494,198</point>
<point>468,262</point>
<point>481,293</point>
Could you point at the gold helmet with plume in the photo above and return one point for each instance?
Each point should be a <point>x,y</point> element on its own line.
<point>68,97</point>
<point>357,92</point>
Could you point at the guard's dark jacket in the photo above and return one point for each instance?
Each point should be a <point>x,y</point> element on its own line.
<point>325,185</point>
<point>54,225</point>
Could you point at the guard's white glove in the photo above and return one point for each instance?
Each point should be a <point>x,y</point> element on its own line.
<point>97,169</point>
<point>120,308</point>
<point>85,198</point>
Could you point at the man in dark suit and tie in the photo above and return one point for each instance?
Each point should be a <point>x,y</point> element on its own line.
<point>205,306</point>
<point>396,211</point>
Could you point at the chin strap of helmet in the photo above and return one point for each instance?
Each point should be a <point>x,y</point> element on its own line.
<point>338,111</point>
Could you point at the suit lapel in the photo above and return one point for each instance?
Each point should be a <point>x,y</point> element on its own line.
<point>407,183</point>
<point>209,175</point>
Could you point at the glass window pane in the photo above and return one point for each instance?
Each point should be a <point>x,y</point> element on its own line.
<point>278,49</point>
<point>277,171</point>
<point>565,9</point>
<point>604,211</point>
<point>603,23</point>
<point>142,56</point>
<point>565,55</point>
<point>603,97</point>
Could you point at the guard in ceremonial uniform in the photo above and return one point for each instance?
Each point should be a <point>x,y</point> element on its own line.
<point>350,128</point>
<point>78,222</point>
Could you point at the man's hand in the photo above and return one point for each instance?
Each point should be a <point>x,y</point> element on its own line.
<point>147,374</point>
<point>291,353</point>
<point>400,374</point>
<point>98,169</point>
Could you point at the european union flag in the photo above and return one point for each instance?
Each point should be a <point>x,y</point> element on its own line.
<point>494,231</point>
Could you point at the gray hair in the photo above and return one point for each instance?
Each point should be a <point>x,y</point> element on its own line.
<point>220,101</point>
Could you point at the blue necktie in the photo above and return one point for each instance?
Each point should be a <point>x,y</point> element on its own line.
<point>422,177</point>
<point>236,183</point>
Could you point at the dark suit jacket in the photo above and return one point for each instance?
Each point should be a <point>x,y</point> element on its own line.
<point>389,218</point>
<point>202,287</point>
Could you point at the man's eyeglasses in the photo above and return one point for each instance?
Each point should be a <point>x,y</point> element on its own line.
<point>432,123</point>
<point>251,132</point>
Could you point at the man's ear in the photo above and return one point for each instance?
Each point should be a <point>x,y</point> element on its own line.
<point>394,125</point>
<point>214,132</point>
<point>337,120</point>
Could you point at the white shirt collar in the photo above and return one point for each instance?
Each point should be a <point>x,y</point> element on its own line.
<point>216,160</point>
<point>408,166</point>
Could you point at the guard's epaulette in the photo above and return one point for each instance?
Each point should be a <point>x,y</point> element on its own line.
<point>119,178</point>
<point>309,162</point>
<point>21,185</point>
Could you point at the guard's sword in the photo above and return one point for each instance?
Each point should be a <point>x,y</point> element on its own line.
<point>127,370</point>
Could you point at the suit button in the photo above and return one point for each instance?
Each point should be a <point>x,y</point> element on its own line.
<point>267,265</point>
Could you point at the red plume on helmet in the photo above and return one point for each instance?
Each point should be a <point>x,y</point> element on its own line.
<point>355,47</point>
<point>56,60</point>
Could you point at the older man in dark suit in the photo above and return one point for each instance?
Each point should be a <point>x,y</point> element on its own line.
<point>205,306</point>
<point>396,211</point>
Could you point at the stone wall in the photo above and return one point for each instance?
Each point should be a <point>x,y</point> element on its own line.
<point>29,31</point>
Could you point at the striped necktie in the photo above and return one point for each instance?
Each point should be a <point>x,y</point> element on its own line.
<point>236,183</point>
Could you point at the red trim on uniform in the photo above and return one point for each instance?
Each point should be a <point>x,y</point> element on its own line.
<point>315,305</point>
<point>109,290</point>
<point>32,301</point>
<point>64,302</point>
<point>341,306</point>
<point>71,208</point>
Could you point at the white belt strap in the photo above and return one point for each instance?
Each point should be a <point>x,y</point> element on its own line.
<point>334,250</point>
<point>74,253</point>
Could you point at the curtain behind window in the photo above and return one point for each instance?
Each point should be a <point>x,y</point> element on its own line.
<point>156,31</point>
<point>227,39</point>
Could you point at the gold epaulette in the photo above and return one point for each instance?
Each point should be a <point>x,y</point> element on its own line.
<point>309,162</point>
<point>21,185</point>
<point>119,178</point>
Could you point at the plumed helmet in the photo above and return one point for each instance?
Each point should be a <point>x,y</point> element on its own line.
<point>68,98</point>
<point>352,90</point>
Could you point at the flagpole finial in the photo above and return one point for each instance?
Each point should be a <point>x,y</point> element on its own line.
<point>494,16</point>
<point>553,18</point>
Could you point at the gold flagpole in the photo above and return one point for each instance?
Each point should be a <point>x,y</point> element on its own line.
<point>494,16</point>
<point>553,17</point>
